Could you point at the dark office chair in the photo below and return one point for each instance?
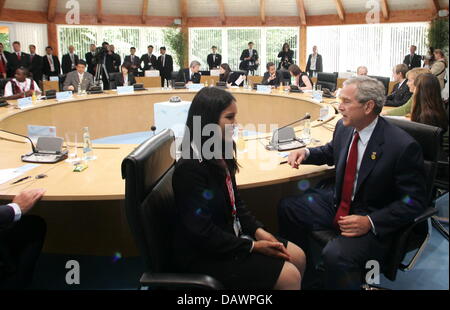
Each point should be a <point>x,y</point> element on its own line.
<point>384,80</point>
<point>113,79</point>
<point>150,208</point>
<point>286,76</point>
<point>205,73</point>
<point>3,83</point>
<point>327,80</point>
<point>174,75</point>
<point>411,237</point>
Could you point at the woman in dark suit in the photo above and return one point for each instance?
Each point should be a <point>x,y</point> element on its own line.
<point>215,234</point>
<point>286,57</point>
<point>225,71</point>
<point>300,78</point>
<point>126,78</point>
<point>226,75</point>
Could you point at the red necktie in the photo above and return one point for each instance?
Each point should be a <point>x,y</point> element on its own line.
<point>349,181</point>
<point>19,57</point>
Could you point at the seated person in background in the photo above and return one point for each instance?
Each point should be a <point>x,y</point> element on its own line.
<point>400,94</point>
<point>126,78</point>
<point>215,234</point>
<point>190,75</point>
<point>272,76</point>
<point>428,107</point>
<point>406,109</point>
<point>300,78</point>
<point>439,66</point>
<point>224,72</point>
<point>21,240</point>
<point>21,86</point>
<point>362,70</point>
<point>72,81</point>
<point>377,166</point>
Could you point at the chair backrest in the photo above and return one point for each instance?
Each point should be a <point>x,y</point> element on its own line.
<point>234,75</point>
<point>174,75</point>
<point>3,83</point>
<point>286,75</point>
<point>327,80</point>
<point>113,79</point>
<point>384,80</point>
<point>148,195</point>
<point>429,138</point>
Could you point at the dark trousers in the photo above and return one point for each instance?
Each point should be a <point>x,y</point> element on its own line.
<point>20,247</point>
<point>344,258</point>
<point>165,78</point>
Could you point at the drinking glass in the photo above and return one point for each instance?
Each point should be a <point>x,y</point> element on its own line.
<point>72,146</point>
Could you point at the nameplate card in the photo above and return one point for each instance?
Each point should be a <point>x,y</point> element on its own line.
<point>266,89</point>
<point>24,103</point>
<point>125,90</point>
<point>194,87</point>
<point>151,73</point>
<point>214,72</point>
<point>54,79</point>
<point>64,95</point>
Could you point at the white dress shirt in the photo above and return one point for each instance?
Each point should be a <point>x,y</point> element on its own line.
<point>17,211</point>
<point>313,62</point>
<point>24,87</point>
<point>52,64</point>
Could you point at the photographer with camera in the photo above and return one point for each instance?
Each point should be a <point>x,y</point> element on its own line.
<point>101,71</point>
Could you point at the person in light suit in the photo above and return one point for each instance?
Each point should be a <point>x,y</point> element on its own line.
<point>73,78</point>
<point>379,187</point>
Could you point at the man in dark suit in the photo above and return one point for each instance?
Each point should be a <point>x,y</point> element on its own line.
<point>165,66</point>
<point>113,60</point>
<point>69,61</point>
<point>413,60</point>
<point>400,94</point>
<point>214,60</point>
<point>249,59</point>
<point>379,187</point>
<point>150,60</point>
<point>4,55</point>
<point>90,59</point>
<point>272,76</point>
<point>51,65</point>
<point>191,74</point>
<point>134,60</point>
<point>36,64</point>
<point>17,59</point>
<point>314,64</point>
<point>21,240</point>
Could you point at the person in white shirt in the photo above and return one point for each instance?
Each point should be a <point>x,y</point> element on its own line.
<point>21,86</point>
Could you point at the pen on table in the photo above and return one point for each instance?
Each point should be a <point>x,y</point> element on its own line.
<point>283,162</point>
<point>20,180</point>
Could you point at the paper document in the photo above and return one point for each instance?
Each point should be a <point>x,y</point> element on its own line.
<point>12,173</point>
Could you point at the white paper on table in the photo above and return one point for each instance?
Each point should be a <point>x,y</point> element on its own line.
<point>240,80</point>
<point>12,173</point>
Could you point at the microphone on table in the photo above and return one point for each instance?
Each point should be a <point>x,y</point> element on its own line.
<point>284,139</point>
<point>153,129</point>
<point>19,135</point>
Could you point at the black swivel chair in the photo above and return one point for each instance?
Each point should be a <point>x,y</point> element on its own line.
<point>174,75</point>
<point>113,79</point>
<point>384,80</point>
<point>414,236</point>
<point>327,80</point>
<point>3,83</point>
<point>150,208</point>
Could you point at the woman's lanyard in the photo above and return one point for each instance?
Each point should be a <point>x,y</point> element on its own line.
<point>236,224</point>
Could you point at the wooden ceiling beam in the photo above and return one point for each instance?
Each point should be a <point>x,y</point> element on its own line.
<point>2,5</point>
<point>262,11</point>
<point>223,18</point>
<point>340,9</point>
<point>99,11</point>
<point>385,9</point>
<point>184,11</point>
<point>144,11</point>
<point>435,7</point>
<point>301,11</point>
<point>51,11</point>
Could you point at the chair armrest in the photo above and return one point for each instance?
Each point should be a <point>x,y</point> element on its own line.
<point>429,212</point>
<point>178,280</point>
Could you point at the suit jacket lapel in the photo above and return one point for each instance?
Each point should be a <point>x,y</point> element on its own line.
<point>372,154</point>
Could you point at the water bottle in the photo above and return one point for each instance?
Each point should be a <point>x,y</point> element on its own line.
<point>79,89</point>
<point>306,133</point>
<point>88,153</point>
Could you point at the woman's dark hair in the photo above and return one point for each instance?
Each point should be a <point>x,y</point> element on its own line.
<point>286,45</point>
<point>126,65</point>
<point>208,104</point>
<point>224,77</point>
<point>296,71</point>
<point>428,107</point>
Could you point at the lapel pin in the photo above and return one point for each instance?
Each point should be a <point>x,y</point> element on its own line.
<point>374,156</point>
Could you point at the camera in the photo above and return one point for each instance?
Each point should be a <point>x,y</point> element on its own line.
<point>100,53</point>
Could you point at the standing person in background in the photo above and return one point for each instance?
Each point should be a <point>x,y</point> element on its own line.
<point>249,60</point>
<point>165,66</point>
<point>439,67</point>
<point>36,64</point>
<point>428,59</point>
<point>400,94</point>
<point>214,60</point>
<point>412,60</point>
<point>150,60</point>
<point>314,64</point>
<point>134,60</point>
<point>51,64</point>
<point>17,59</point>
<point>3,62</point>
<point>286,57</point>
<point>70,60</point>
<point>90,57</point>
<point>113,60</point>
